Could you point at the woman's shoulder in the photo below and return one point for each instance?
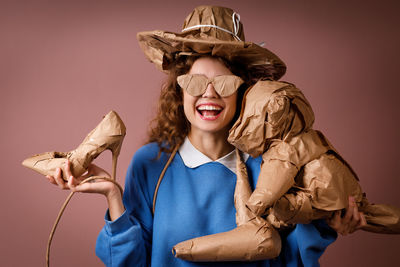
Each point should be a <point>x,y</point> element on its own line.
<point>149,155</point>
<point>147,151</point>
<point>146,166</point>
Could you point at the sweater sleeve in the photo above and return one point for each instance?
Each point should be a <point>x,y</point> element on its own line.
<point>121,242</point>
<point>127,240</point>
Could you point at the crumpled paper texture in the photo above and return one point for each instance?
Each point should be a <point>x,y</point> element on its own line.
<point>270,110</point>
<point>196,84</point>
<point>162,47</point>
<point>276,122</point>
<point>108,134</point>
<point>255,240</point>
<point>302,178</point>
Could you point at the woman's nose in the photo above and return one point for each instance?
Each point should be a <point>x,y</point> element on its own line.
<point>210,92</point>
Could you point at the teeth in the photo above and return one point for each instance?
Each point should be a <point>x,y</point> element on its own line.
<point>210,117</point>
<point>208,107</point>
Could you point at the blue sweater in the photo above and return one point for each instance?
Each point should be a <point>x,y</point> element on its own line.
<point>191,202</point>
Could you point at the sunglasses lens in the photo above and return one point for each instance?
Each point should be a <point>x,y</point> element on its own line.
<point>226,85</point>
<point>196,84</point>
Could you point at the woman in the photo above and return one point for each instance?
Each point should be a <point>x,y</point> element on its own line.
<point>195,197</point>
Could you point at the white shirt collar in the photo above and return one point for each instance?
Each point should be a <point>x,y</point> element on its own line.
<point>193,158</point>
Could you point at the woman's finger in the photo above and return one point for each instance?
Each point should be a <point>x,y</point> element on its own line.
<point>86,175</point>
<point>335,222</point>
<point>362,221</point>
<point>336,218</point>
<point>72,183</point>
<point>51,179</point>
<point>68,169</point>
<point>95,186</point>
<point>354,221</point>
<point>93,170</point>
<point>97,171</point>
<point>59,180</point>
<point>86,187</point>
<point>349,211</point>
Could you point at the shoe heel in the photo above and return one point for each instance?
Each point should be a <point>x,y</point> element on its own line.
<point>114,165</point>
<point>115,150</point>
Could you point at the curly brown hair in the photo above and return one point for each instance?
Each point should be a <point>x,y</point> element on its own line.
<point>170,126</point>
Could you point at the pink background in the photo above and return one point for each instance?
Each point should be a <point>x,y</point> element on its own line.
<point>64,64</point>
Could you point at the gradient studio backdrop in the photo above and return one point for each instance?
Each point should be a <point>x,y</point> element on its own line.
<point>64,64</point>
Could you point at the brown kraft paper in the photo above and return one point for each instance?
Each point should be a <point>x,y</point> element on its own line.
<point>108,134</point>
<point>302,176</point>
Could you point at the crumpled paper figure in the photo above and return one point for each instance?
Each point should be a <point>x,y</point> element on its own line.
<point>302,177</point>
<point>253,239</point>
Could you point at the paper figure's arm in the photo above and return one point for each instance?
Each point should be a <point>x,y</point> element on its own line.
<point>275,179</point>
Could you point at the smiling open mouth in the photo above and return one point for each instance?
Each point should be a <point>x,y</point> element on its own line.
<point>209,112</point>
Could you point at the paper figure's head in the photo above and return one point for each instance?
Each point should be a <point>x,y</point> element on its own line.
<point>215,31</point>
<point>270,110</point>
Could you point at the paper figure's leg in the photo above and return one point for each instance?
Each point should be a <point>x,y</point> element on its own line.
<point>381,218</point>
<point>328,182</point>
<point>297,208</point>
<point>332,181</point>
<point>253,239</point>
<point>275,179</point>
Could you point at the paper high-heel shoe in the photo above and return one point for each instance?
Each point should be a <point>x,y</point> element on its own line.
<point>108,134</point>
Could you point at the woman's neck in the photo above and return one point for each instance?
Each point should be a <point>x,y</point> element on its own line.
<point>212,145</point>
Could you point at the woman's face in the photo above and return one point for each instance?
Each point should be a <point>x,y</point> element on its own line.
<point>209,112</point>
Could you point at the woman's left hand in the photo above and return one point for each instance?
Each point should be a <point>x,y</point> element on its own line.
<point>352,220</point>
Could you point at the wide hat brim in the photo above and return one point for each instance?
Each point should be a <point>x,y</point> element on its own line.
<point>162,48</point>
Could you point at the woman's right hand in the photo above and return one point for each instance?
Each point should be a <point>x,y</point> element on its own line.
<point>98,186</point>
<point>106,188</point>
